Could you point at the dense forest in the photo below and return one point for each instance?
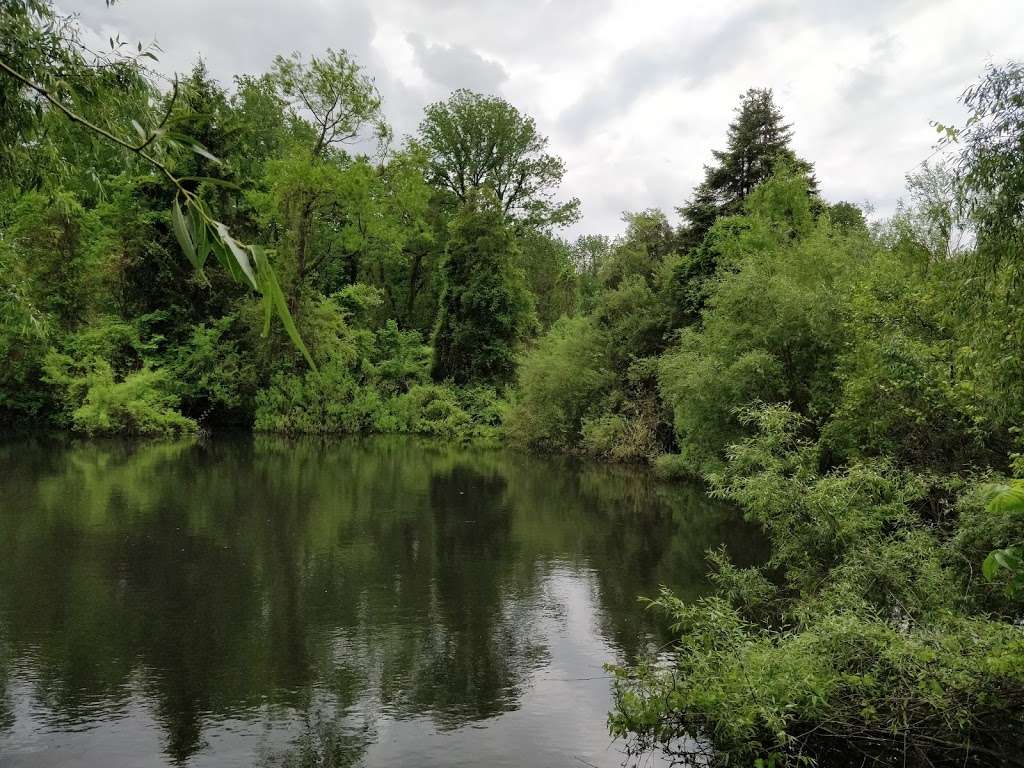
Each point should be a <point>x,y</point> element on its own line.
<point>179,256</point>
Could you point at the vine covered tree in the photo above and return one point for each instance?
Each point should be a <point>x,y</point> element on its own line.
<point>485,308</point>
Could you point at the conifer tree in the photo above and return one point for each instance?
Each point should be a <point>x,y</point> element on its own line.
<point>758,141</point>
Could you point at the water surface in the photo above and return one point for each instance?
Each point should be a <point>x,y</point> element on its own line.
<point>259,601</point>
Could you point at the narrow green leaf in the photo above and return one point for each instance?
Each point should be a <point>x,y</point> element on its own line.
<point>139,129</point>
<point>271,287</point>
<point>195,146</point>
<point>989,567</point>
<point>226,260</point>
<point>181,233</point>
<point>200,237</point>
<point>241,257</point>
<point>199,149</point>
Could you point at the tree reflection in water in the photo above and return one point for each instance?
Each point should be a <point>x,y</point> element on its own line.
<point>289,599</point>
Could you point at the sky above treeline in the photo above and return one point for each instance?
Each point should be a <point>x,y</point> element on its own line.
<point>633,94</point>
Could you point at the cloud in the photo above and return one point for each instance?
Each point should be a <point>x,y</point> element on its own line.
<point>456,66</point>
<point>641,69</point>
<point>634,94</point>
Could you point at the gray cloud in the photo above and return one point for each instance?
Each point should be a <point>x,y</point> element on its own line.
<point>236,36</point>
<point>859,80</point>
<point>456,66</point>
<point>641,70</point>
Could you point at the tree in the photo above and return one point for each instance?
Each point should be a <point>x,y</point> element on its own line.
<point>642,248</point>
<point>546,261</point>
<point>333,95</point>
<point>476,141</point>
<point>333,104</point>
<point>485,308</point>
<point>589,254</point>
<point>772,325</point>
<point>758,140</point>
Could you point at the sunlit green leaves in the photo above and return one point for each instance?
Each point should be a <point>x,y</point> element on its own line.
<point>1008,563</point>
<point>1005,498</point>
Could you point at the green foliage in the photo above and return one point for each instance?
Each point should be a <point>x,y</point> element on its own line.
<point>757,146</point>
<point>546,262</point>
<point>869,629</point>
<point>672,466</point>
<point>561,379</point>
<point>485,308</point>
<point>1006,505</point>
<point>906,388</point>
<point>786,699</point>
<point>371,382</point>
<point>333,94</point>
<point>773,326</point>
<point>23,342</point>
<point>989,169</point>
<point>876,629</point>
<point>478,142</point>
<point>213,375</point>
<point>99,403</point>
<point>616,437</point>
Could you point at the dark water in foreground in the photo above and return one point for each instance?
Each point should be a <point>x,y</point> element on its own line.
<point>378,602</point>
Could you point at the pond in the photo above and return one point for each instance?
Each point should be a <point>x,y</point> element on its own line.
<point>260,601</point>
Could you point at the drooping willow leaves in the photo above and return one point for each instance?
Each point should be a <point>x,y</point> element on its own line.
<point>201,236</point>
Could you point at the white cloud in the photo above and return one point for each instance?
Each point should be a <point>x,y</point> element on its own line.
<point>634,94</point>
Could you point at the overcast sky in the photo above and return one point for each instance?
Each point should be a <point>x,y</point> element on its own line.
<point>633,94</point>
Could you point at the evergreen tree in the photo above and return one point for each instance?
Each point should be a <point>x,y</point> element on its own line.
<point>758,141</point>
<point>485,307</point>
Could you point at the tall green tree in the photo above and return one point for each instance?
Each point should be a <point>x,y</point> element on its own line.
<point>758,141</point>
<point>485,308</point>
<point>333,104</point>
<point>476,141</point>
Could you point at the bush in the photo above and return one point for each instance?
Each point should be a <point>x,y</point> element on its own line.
<point>615,437</point>
<point>877,635</point>
<point>214,374</point>
<point>847,689</point>
<point>672,466</point>
<point>372,382</point>
<point>473,414</point>
<point>95,402</point>
<point>561,380</point>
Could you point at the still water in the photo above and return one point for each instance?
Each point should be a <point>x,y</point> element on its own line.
<point>380,602</point>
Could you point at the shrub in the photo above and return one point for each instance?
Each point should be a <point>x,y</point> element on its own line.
<point>214,374</point>
<point>672,466</point>
<point>877,635</point>
<point>562,378</point>
<point>96,402</point>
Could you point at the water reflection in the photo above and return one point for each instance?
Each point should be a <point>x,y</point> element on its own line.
<point>317,602</point>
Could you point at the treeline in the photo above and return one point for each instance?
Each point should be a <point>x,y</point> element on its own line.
<point>413,271</point>
<point>857,389</point>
